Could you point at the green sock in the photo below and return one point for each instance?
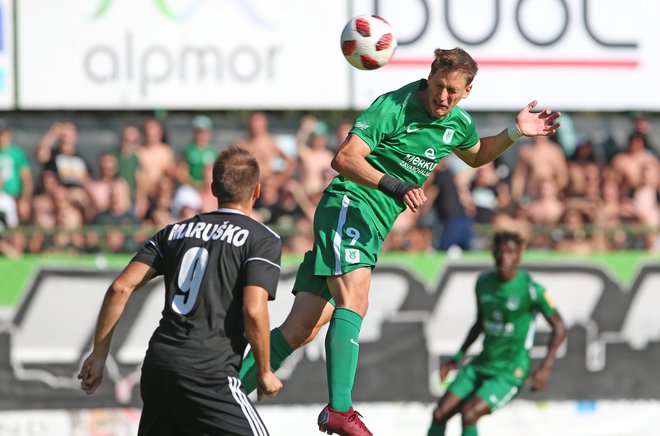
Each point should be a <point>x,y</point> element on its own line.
<point>437,429</point>
<point>341,351</point>
<point>279,350</point>
<point>470,430</point>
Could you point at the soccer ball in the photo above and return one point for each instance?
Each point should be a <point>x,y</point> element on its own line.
<point>368,42</point>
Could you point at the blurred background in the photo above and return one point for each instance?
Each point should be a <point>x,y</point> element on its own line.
<point>112,112</point>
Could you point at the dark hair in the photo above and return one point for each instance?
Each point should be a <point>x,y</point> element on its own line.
<point>455,59</point>
<point>235,174</point>
<point>502,237</point>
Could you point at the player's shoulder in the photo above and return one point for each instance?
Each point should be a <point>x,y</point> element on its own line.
<point>486,276</point>
<point>399,96</point>
<point>462,116</point>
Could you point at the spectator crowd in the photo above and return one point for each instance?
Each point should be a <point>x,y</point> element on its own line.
<point>575,196</point>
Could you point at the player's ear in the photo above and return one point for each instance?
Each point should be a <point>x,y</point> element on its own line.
<point>213,191</point>
<point>257,191</point>
<point>467,90</point>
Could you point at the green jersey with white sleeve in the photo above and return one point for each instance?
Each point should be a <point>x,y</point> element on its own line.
<point>406,143</point>
<point>508,311</point>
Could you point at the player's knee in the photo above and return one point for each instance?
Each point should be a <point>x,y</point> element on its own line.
<point>440,415</point>
<point>299,332</point>
<point>469,416</point>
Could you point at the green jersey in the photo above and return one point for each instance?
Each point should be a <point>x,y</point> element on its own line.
<point>197,158</point>
<point>508,311</point>
<point>406,143</point>
<point>12,161</point>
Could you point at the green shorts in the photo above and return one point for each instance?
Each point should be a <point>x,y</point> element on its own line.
<point>495,389</point>
<point>345,239</point>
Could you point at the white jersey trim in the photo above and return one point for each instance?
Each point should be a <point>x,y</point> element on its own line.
<point>262,260</point>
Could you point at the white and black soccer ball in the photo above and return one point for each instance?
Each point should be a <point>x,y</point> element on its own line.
<point>368,42</point>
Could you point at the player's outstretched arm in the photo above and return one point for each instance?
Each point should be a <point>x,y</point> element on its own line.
<point>541,375</point>
<point>527,123</point>
<point>131,279</point>
<point>257,331</point>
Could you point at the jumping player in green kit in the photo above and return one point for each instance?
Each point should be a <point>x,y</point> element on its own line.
<point>507,303</point>
<point>393,147</point>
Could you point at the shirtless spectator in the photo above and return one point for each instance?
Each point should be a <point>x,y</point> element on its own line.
<point>57,152</point>
<point>538,160</point>
<point>314,157</point>
<point>580,164</point>
<point>273,161</point>
<point>100,188</point>
<point>548,207</point>
<point>157,161</point>
<point>627,163</point>
<point>645,199</point>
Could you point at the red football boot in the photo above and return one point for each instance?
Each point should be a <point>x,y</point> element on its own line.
<point>343,423</point>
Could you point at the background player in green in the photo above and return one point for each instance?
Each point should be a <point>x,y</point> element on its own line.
<point>508,300</point>
<point>393,147</point>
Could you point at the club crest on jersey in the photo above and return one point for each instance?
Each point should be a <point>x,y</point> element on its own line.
<point>512,303</point>
<point>448,135</point>
<point>430,153</point>
<point>352,255</point>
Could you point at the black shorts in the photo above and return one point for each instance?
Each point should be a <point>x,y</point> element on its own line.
<point>178,404</point>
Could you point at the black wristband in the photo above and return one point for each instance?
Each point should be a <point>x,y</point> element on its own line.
<point>395,188</point>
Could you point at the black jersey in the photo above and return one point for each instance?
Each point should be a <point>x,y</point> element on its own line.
<point>206,261</point>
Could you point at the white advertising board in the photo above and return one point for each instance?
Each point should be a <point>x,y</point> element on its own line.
<point>185,54</point>
<point>6,55</point>
<point>568,54</point>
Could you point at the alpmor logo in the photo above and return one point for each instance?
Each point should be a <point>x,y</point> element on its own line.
<point>162,6</point>
<point>188,9</point>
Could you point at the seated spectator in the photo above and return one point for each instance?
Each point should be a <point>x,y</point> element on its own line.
<point>314,158</point>
<point>538,160</point>
<point>489,194</point>
<point>99,187</point>
<point>645,200</point>
<point>273,161</point>
<point>626,164</point>
<point>581,165</point>
<point>548,208</point>
<point>8,221</point>
<point>448,205</point>
<point>187,202</point>
<point>16,173</point>
<point>128,163</point>
<point>157,162</point>
<point>57,152</point>
<point>118,220</point>
<point>573,235</point>
<point>613,212</point>
<point>200,152</point>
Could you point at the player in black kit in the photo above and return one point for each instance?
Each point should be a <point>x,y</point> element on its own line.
<point>220,270</point>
